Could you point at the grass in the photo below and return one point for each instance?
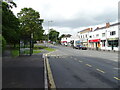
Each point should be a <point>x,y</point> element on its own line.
<point>15,53</point>
<point>49,49</point>
<point>36,49</point>
<point>35,52</point>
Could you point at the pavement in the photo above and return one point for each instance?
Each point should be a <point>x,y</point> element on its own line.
<point>23,72</point>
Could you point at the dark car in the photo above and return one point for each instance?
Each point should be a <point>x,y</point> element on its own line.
<point>83,47</point>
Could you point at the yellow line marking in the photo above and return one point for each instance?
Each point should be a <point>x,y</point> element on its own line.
<point>50,76</point>
<point>80,61</point>
<point>116,78</point>
<point>88,65</point>
<point>100,70</point>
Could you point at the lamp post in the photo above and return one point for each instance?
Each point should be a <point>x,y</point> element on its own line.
<point>48,28</point>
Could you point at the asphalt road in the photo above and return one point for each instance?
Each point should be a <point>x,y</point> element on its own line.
<point>73,68</point>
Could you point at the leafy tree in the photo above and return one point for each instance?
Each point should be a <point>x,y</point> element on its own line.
<point>53,35</point>
<point>63,35</point>
<point>10,24</point>
<point>30,23</point>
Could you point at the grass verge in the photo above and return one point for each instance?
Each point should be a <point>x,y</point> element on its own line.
<point>36,51</point>
<point>49,49</point>
<point>15,53</point>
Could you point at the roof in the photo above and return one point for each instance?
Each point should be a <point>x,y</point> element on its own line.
<point>106,27</point>
<point>67,35</point>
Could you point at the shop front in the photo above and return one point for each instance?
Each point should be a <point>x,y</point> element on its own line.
<point>113,43</point>
<point>95,43</point>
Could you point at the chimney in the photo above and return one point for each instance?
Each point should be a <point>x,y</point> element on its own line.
<point>97,27</point>
<point>107,25</point>
<point>91,29</point>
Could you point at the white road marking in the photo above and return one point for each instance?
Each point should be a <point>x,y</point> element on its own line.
<point>80,61</point>
<point>88,65</point>
<point>100,70</point>
<point>116,78</point>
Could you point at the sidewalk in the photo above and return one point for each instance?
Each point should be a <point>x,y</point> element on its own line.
<point>23,72</point>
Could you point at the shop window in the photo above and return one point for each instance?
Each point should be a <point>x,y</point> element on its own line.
<point>112,33</point>
<point>113,42</point>
<point>103,43</point>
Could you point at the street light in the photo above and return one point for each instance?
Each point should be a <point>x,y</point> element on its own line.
<point>48,28</point>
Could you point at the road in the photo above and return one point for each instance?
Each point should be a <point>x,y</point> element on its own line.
<point>73,68</point>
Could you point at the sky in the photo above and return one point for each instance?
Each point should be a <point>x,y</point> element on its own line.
<point>71,16</point>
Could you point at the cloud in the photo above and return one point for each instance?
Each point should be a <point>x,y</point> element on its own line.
<point>72,14</point>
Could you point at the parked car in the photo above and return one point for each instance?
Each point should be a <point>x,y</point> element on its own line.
<point>82,47</point>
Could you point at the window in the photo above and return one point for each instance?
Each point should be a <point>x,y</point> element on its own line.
<point>112,33</point>
<point>103,34</point>
<point>97,35</point>
<point>90,36</point>
<point>86,36</point>
<point>81,36</point>
<point>113,42</point>
<point>103,43</point>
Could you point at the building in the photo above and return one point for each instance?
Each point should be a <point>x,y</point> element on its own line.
<point>84,36</point>
<point>103,38</point>
<point>66,39</point>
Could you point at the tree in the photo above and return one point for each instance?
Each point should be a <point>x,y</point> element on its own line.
<point>10,24</point>
<point>53,35</point>
<point>30,23</point>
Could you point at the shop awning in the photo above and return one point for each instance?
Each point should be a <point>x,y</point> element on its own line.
<point>63,41</point>
<point>95,40</point>
<point>112,38</point>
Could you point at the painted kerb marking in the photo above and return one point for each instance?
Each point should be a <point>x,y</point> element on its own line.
<point>45,74</point>
<point>50,76</point>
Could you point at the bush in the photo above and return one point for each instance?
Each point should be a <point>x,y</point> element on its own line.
<point>3,42</point>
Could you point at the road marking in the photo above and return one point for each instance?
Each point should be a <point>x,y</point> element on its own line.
<point>116,68</point>
<point>80,61</point>
<point>50,76</point>
<point>88,65</point>
<point>100,70</point>
<point>116,78</point>
<point>45,75</point>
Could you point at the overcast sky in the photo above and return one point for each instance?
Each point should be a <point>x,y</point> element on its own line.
<point>71,16</point>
